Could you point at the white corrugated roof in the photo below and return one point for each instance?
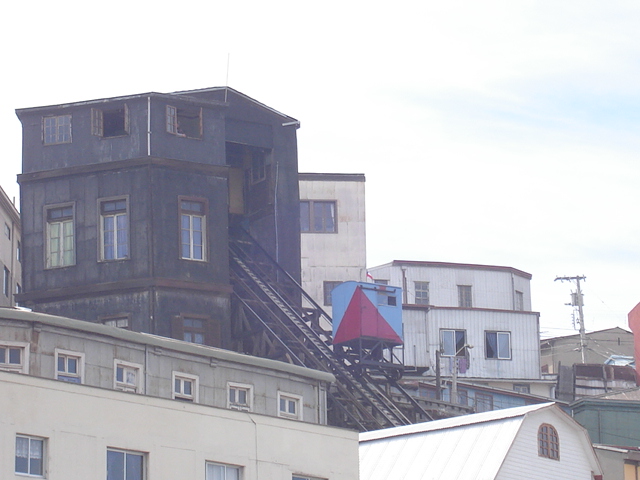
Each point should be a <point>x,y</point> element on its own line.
<point>466,447</point>
<point>453,422</point>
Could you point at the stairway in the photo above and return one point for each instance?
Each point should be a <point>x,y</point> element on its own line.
<point>273,300</point>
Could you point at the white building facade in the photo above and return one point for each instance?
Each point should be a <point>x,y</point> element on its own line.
<point>83,400</point>
<point>333,235</point>
<point>528,443</point>
<point>478,317</point>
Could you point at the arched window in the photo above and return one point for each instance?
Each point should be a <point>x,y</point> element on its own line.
<point>548,442</point>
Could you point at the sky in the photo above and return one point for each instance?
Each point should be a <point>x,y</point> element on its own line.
<point>495,132</point>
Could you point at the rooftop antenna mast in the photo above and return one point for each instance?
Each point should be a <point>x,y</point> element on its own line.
<point>577,301</point>
<point>226,84</point>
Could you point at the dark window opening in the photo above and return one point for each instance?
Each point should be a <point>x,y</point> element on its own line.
<point>113,122</point>
<point>328,286</point>
<point>184,122</point>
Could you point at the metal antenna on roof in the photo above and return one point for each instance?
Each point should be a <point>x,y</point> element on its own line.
<point>226,88</point>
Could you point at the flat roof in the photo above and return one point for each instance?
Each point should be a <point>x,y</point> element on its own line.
<point>471,266</point>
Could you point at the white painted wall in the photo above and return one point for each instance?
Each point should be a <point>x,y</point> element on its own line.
<point>339,256</point>
<point>80,422</point>
<point>492,287</point>
<point>422,329</point>
<point>576,453</point>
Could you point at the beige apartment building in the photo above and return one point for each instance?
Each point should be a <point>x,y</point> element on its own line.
<point>10,258</point>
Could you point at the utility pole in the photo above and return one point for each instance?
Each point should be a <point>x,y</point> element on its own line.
<point>577,301</point>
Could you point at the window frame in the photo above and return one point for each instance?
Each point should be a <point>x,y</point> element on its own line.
<point>97,121</point>
<point>114,233</point>
<point>116,318</point>
<point>226,466</point>
<point>43,459</point>
<point>191,214</point>
<point>309,225</point>
<point>548,442</point>
<point>123,385</point>
<point>23,366</point>
<point>6,282</point>
<point>66,376</point>
<point>465,296</point>
<point>519,301</point>
<point>424,292</point>
<point>459,352</point>
<point>62,131</point>
<point>172,121</point>
<point>183,378</point>
<point>61,221</point>
<point>481,398</point>
<point>327,288</point>
<point>498,354</point>
<point>290,399</point>
<point>125,463</point>
<point>236,405</point>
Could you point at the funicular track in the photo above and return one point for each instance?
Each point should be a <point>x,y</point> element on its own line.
<point>274,300</point>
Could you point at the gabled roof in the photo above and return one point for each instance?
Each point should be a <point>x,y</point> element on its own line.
<point>467,447</point>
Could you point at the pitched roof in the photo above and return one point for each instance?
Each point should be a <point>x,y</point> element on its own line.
<point>466,447</point>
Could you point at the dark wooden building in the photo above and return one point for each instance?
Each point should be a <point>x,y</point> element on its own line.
<point>127,204</point>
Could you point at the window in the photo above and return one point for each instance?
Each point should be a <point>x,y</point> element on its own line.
<point>69,366</point>
<point>318,216</point>
<point>219,471</point>
<point>422,293</point>
<point>7,231</point>
<point>304,477</point>
<point>124,465</point>
<point>258,165</point>
<point>113,122</point>
<point>127,376</point>
<point>14,357</point>
<point>497,345</point>
<point>521,388</point>
<point>484,402</point>
<point>114,235</point>
<point>30,455</point>
<point>548,442</point>
<point>118,321</point>
<point>240,396</point>
<point>185,387</point>
<point>193,330</point>
<point>60,242</point>
<point>454,343</point>
<point>19,252</point>
<point>6,282</point>
<point>519,301</point>
<point>184,122</point>
<point>464,296</point>
<point>328,287</point>
<point>57,129</point>
<point>380,281</point>
<point>386,298</point>
<point>192,224</point>
<point>631,470</point>
<point>289,406</point>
